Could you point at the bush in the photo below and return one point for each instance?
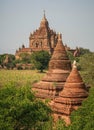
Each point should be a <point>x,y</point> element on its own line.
<point>20,110</point>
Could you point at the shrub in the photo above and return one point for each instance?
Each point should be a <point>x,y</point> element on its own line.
<point>20,110</point>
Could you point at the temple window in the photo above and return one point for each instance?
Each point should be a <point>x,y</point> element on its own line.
<point>36,44</point>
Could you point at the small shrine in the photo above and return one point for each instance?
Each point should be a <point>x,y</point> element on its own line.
<point>71,97</point>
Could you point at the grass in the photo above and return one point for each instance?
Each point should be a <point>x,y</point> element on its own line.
<point>19,77</point>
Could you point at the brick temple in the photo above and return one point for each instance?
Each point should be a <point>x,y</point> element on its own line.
<point>43,38</point>
<point>59,69</point>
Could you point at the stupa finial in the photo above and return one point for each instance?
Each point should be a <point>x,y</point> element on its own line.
<point>59,36</point>
<point>74,64</point>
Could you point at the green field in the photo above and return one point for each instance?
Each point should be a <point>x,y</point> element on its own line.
<point>19,77</point>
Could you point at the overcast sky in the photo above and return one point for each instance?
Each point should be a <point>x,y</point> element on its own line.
<point>73,18</point>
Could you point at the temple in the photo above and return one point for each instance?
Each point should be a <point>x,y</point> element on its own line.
<point>43,38</point>
<point>59,69</point>
<point>71,97</point>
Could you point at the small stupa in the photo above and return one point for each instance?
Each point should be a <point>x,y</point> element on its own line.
<point>71,97</point>
<point>59,69</point>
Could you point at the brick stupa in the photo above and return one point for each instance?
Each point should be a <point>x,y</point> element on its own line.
<point>59,69</point>
<point>71,97</point>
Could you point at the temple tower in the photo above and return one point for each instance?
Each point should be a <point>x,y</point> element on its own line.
<point>43,38</point>
<point>59,69</point>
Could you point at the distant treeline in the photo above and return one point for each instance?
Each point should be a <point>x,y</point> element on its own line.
<point>8,61</point>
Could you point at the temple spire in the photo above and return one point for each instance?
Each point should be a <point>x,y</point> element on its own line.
<point>44,22</point>
<point>44,13</point>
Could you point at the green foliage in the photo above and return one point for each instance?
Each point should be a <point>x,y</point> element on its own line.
<point>40,60</point>
<point>87,61</point>
<point>87,68</point>
<point>71,57</point>
<point>60,125</point>
<point>1,59</point>
<point>25,58</point>
<point>20,110</point>
<point>83,118</point>
<point>10,63</point>
<point>84,51</point>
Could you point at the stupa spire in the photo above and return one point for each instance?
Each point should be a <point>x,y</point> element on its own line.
<point>59,69</point>
<point>44,14</point>
<point>59,59</point>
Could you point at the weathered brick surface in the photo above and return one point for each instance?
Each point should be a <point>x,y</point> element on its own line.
<point>71,97</point>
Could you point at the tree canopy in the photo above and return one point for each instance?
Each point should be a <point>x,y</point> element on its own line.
<point>25,58</point>
<point>40,60</point>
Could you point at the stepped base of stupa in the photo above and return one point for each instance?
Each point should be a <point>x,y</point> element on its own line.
<point>51,84</point>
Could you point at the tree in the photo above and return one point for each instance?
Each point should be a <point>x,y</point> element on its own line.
<point>40,60</point>
<point>84,51</point>
<point>2,58</point>
<point>71,57</point>
<point>7,60</point>
<point>25,58</point>
<point>87,68</point>
<point>20,110</point>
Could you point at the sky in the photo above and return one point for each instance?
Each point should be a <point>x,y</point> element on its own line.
<point>73,18</point>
